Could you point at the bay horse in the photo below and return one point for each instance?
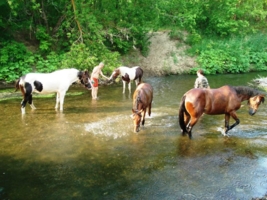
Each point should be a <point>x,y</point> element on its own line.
<point>224,100</point>
<point>57,81</point>
<point>128,74</point>
<point>142,99</point>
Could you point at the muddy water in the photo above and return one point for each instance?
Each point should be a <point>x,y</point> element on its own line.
<point>90,151</point>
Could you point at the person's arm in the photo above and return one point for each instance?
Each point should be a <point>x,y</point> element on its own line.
<point>101,73</point>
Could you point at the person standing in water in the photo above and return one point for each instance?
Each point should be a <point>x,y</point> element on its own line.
<point>94,79</point>
<point>201,81</point>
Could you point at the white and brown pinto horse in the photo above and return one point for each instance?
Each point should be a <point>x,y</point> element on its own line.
<point>142,99</point>
<point>58,81</point>
<point>224,100</point>
<point>128,74</point>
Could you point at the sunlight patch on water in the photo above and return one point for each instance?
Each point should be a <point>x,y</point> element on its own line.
<point>109,126</point>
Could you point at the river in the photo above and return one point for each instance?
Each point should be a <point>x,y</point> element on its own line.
<point>91,152</point>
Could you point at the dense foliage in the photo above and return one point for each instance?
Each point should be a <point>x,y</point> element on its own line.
<point>38,35</point>
<point>232,55</point>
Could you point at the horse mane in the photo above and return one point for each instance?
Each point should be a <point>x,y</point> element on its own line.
<point>137,100</point>
<point>244,90</point>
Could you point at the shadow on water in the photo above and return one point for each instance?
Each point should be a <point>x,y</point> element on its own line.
<point>90,151</point>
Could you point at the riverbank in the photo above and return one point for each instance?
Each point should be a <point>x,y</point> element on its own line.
<point>165,56</point>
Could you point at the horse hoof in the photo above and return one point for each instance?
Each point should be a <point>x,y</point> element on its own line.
<point>225,134</point>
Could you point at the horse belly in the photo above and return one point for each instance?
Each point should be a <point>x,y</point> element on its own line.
<point>48,87</point>
<point>132,73</point>
<point>215,110</point>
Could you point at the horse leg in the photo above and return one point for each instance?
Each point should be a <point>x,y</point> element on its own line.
<point>149,109</point>
<point>57,100</point>
<point>192,115</point>
<point>123,89</point>
<point>129,87</point>
<point>62,96</point>
<point>26,96</point>
<point>186,122</point>
<point>31,102</point>
<point>190,125</point>
<point>227,118</point>
<point>143,117</point>
<point>23,105</point>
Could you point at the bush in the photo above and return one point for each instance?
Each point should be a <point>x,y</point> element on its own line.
<point>231,55</point>
<point>15,61</point>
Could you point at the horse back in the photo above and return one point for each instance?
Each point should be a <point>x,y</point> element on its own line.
<point>51,82</point>
<point>144,92</point>
<point>214,101</point>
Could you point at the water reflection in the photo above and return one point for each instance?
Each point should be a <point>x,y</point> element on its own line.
<point>91,152</point>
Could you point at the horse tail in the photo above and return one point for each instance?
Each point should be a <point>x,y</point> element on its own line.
<point>139,74</point>
<point>182,110</point>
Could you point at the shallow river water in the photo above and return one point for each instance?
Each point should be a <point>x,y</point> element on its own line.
<point>91,152</point>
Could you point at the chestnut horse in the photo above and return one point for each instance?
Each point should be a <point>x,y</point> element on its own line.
<point>127,75</point>
<point>142,99</point>
<point>57,81</point>
<point>224,100</point>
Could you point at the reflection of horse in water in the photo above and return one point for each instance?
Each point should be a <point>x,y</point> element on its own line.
<point>224,100</point>
<point>127,75</point>
<point>58,81</point>
<point>142,99</point>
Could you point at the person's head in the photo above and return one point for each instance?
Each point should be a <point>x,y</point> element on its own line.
<point>200,71</point>
<point>101,65</point>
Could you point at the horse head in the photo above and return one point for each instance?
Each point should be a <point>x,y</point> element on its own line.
<point>137,116</point>
<point>84,78</point>
<point>254,103</point>
<point>114,74</point>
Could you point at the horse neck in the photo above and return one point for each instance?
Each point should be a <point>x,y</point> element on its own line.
<point>71,75</point>
<point>138,103</point>
<point>123,70</point>
<point>245,93</point>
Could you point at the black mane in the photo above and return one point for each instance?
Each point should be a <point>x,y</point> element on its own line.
<point>246,90</point>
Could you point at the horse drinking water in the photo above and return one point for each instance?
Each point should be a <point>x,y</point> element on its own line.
<point>127,75</point>
<point>57,81</point>
<point>224,100</point>
<point>142,99</point>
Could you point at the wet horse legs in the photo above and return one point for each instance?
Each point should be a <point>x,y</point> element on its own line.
<point>27,98</point>
<point>227,119</point>
<point>190,125</point>
<point>60,100</point>
<point>143,117</point>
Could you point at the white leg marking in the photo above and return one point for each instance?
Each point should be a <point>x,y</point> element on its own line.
<point>129,86</point>
<point>32,106</point>
<point>62,96</point>
<point>123,90</point>
<point>57,101</point>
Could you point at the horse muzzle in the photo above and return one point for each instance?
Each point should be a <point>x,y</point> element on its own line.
<point>136,129</point>
<point>252,111</point>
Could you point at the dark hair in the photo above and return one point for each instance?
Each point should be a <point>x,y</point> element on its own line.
<point>200,71</point>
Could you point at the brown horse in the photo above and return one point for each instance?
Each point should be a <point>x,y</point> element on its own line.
<point>142,99</point>
<point>224,100</point>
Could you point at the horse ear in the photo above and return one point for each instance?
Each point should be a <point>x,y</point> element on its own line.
<point>262,98</point>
